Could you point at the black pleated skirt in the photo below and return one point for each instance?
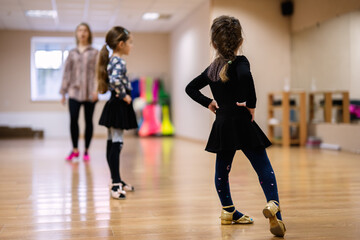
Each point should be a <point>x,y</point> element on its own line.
<point>233,130</point>
<point>118,114</point>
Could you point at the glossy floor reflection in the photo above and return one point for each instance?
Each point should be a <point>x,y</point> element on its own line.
<point>44,197</point>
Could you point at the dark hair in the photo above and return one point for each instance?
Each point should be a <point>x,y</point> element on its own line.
<point>112,39</point>
<point>226,37</point>
<point>89,30</point>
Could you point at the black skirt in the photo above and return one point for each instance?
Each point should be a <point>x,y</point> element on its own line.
<point>118,114</point>
<point>233,130</point>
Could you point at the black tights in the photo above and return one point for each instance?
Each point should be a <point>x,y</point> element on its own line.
<point>262,166</point>
<point>74,108</point>
<point>113,150</point>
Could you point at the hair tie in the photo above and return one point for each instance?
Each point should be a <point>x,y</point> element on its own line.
<point>126,31</point>
<point>230,62</point>
<point>109,49</point>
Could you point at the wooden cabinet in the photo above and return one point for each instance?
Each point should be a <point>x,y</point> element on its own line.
<point>328,97</point>
<point>284,123</point>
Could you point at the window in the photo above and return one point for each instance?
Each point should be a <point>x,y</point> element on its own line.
<point>48,55</point>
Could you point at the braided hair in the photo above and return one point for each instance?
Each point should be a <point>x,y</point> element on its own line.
<point>226,37</point>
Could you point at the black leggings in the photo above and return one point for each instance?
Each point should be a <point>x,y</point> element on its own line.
<point>74,108</point>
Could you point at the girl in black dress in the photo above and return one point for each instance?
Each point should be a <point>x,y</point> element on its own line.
<point>118,113</point>
<point>232,86</point>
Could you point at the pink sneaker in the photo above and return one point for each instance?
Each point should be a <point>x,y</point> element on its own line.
<point>72,155</point>
<point>86,157</point>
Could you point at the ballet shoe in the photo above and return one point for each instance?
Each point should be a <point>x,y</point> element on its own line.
<point>119,194</point>
<point>227,218</point>
<point>127,187</point>
<point>277,227</point>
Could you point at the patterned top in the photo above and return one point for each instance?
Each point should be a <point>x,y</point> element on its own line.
<point>79,74</point>
<point>118,81</point>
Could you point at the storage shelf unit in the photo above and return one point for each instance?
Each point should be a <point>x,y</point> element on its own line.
<point>285,124</point>
<point>328,105</point>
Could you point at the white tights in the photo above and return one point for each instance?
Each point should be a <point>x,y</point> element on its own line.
<point>115,135</point>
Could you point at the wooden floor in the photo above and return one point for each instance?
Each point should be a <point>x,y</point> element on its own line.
<point>44,197</point>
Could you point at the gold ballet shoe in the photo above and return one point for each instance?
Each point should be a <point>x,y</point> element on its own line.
<point>227,217</point>
<point>277,227</point>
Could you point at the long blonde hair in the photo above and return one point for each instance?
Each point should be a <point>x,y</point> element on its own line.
<point>112,39</point>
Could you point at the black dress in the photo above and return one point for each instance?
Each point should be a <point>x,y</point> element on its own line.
<point>232,128</point>
<point>117,113</point>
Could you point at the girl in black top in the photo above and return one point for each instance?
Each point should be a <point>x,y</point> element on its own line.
<point>118,113</point>
<point>232,86</point>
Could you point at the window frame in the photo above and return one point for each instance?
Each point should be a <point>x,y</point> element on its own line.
<point>64,42</point>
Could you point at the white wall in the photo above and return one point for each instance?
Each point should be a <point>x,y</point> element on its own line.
<point>308,13</point>
<point>190,55</point>
<point>355,54</point>
<point>342,134</point>
<point>266,45</point>
<point>321,55</point>
<point>327,56</point>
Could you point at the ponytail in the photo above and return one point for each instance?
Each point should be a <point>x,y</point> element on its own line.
<point>223,72</point>
<point>101,70</point>
<point>112,39</point>
<point>226,53</point>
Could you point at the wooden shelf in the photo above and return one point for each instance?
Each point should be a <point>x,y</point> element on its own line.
<point>295,141</point>
<point>279,141</point>
<point>336,107</point>
<point>286,123</point>
<point>276,141</point>
<point>280,107</point>
<point>295,124</point>
<point>328,105</point>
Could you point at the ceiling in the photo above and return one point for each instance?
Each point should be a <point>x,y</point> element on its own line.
<point>100,14</point>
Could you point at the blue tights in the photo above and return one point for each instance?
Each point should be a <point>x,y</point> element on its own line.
<point>261,164</point>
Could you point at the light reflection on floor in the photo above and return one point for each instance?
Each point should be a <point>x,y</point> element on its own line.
<point>44,197</point>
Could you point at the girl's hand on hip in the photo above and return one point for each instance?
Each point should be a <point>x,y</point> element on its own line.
<point>127,99</point>
<point>251,110</point>
<point>213,106</point>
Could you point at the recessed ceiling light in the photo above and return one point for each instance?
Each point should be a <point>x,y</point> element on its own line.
<point>41,13</point>
<point>151,16</point>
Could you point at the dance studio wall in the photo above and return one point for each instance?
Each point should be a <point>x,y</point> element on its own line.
<point>190,55</point>
<point>16,108</point>
<point>325,45</point>
<point>308,13</point>
<point>325,57</point>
